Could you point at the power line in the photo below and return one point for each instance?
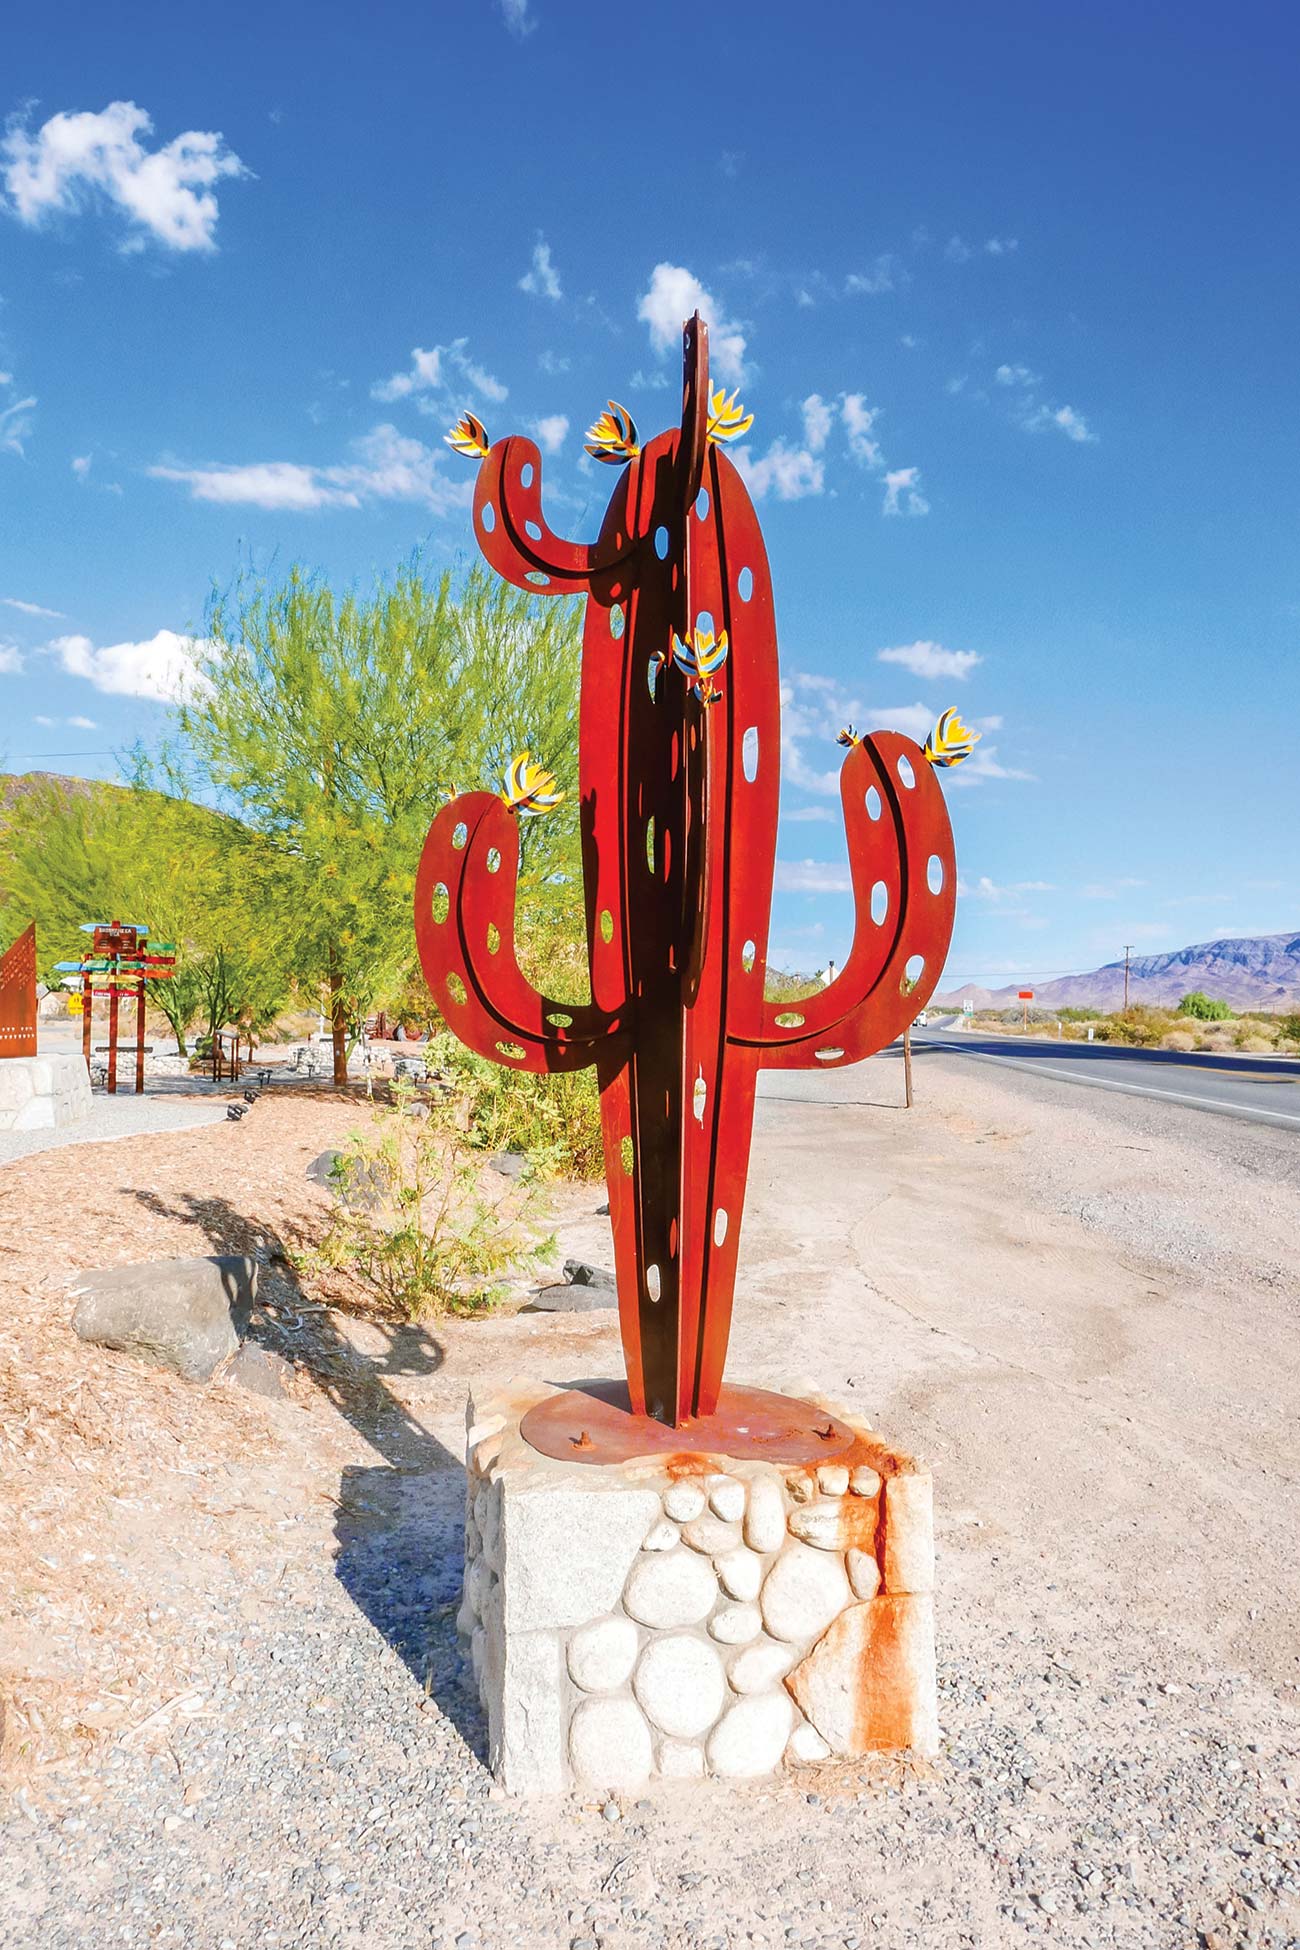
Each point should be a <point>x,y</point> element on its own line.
<point>65,754</point>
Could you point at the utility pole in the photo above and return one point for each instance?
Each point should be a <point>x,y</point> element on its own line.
<point>1128,949</point>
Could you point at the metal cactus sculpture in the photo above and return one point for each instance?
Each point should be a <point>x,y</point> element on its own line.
<point>679,745</point>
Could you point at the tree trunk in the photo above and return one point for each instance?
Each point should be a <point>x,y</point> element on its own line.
<point>338,1026</point>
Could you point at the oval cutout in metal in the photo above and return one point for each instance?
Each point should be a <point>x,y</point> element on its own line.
<point>905,772</point>
<point>934,874</point>
<point>617,621</point>
<point>661,543</point>
<point>789,1019</point>
<point>455,987</point>
<point>872,803</point>
<point>513,1050</point>
<point>745,585</point>
<point>879,903</point>
<point>488,517</point>
<point>749,753</point>
<point>526,474</point>
<point>440,903</point>
<point>606,925</point>
<point>748,956</point>
<point>459,834</point>
<point>653,1283</point>
<point>828,1055</point>
<point>719,1226</point>
<point>702,503</point>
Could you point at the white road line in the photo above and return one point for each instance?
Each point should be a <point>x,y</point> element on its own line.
<point>1131,1089</point>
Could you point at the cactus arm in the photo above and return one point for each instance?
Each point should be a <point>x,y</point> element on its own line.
<point>516,539</point>
<point>880,988</point>
<point>464,903</point>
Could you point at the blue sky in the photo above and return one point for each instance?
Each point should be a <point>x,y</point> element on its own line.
<point>1011,291</point>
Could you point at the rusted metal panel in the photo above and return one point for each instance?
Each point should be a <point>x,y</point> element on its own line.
<point>18,996</point>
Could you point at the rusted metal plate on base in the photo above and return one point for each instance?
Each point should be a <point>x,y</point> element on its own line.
<point>593,1422</point>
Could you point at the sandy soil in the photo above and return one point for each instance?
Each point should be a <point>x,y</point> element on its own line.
<point>223,1610</point>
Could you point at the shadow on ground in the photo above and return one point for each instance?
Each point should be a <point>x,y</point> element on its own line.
<point>399,1523</point>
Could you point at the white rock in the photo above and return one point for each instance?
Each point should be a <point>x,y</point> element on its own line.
<point>909,1532</point>
<point>478,1651</point>
<point>601,1656</point>
<point>680,1762</point>
<point>711,1536</point>
<point>804,1590</point>
<point>750,1739</point>
<point>478,1582</point>
<point>566,1551</point>
<point>684,1500</point>
<point>736,1624</point>
<point>806,1744</point>
<point>740,1572</point>
<point>870,1682</point>
<point>523,1686</point>
<point>609,1744</point>
<point>757,1668</point>
<point>864,1573</point>
<point>833,1479</point>
<point>680,1684</point>
<point>824,1524</point>
<point>765,1516</point>
<point>864,1481</point>
<point>662,1537</point>
<point>727,1498</point>
<point>802,1488</point>
<point>671,1588</point>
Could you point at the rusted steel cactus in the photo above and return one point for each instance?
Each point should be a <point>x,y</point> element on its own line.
<point>679,786</point>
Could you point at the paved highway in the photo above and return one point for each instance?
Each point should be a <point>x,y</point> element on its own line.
<point>1260,1089</point>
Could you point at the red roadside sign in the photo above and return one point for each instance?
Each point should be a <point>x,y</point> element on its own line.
<point>1025,995</point>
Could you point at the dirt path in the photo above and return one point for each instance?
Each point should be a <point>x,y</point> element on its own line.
<point>1083,1312</point>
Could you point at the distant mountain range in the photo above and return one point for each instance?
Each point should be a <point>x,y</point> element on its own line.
<point>1259,971</point>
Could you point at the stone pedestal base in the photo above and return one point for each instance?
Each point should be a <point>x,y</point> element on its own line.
<point>39,1093</point>
<point>686,1615</point>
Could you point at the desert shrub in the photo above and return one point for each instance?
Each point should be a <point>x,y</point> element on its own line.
<point>1288,1028</point>
<point>1178,1039</point>
<point>1140,1026</point>
<point>1078,1013</point>
<point>435,1242</point>
<point>1254,1045</point>
<point>554,1118</point>
<point>1204,1007</point>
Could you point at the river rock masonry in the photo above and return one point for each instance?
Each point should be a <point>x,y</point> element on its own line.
<point>688,1616</point>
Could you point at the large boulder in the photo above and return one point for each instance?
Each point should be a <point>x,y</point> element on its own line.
<point>189,1315</point>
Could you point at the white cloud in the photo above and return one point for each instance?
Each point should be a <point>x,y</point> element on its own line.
<point>811,877</point>
<point>162,668</point>
<point>388,466</point>
<point>83,724</point>
<point>813,708</point>
<point>81,465</point>
<point>886,274</point>
<point>16,425</point>
<point>76,161</point>
<point>1001,246</point>
<point>985,889</point>
<point>30,609</point>
<point>517,18</point>
<point>1016,376</point>
<point>543,281</point>
<point>802,815</point>
<point>652,382</point>
<point>673,294</point>
<point>11,659</point>
<point>957,251</point>
<point>551,431</point>
<point>1109,890</point>
<point>791,473</point>
<point>6,379</point>
<point>859,418</point>
<point>1065,419</point>
<point>552,363</point>
<point>818,419</point>
<point>925,659</point>
<point>427,373</point>
<point>904,482</point>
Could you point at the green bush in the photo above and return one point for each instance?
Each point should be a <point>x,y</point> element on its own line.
<point>1139,1026</point>
<point>553,1118</point>
<point>1204,1007</point>
<point>436,1242</point>
<point>1080,1014</point>
<point>1288,1028</point>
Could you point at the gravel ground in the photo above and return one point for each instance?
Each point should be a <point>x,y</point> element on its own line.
<point>1074,1307</point>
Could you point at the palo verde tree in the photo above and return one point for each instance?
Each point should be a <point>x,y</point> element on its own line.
<point>335,726</point>
<point>72,852</point>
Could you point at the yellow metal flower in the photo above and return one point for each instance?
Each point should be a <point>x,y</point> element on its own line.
<point>950,741</point>
<point>727,420</point>
<point>698,654</point>
<point>613,436</point>
<point>530,789</point>
<point>848,735</point>
<point>469,437</point>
